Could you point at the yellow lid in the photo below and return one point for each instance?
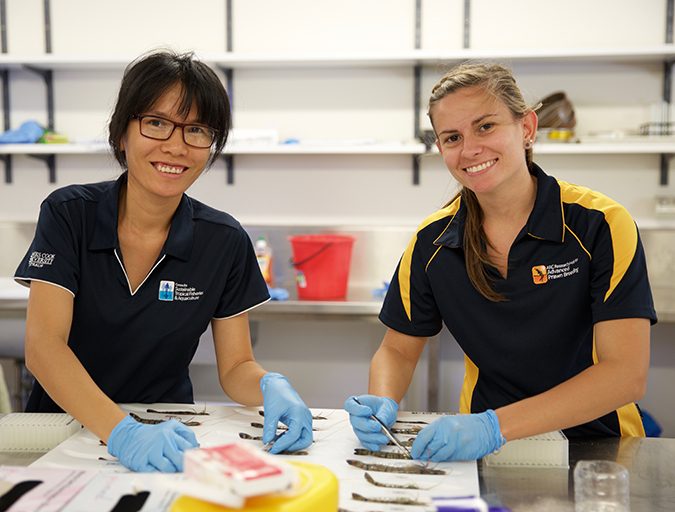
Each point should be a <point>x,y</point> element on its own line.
<point>564,134</point>
<point>316,490</point>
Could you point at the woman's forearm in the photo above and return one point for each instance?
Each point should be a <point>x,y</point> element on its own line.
<point>593,393</point>
<point>393,365</point>
<point>66,381</point>
<point>618,378</point>
<point>242,383</point>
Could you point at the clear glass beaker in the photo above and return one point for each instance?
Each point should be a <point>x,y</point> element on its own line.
<point>601,486</point>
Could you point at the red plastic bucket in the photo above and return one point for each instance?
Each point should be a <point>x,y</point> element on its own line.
<point>321,265</point>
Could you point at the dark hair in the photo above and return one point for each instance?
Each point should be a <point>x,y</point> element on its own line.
<point>148,77</point>
<point>498,81</point>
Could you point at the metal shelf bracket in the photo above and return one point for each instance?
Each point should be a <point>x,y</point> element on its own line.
<point>7,159</point>
<point>229,168</point>
<point>50,160</point>
<point>664,169</point>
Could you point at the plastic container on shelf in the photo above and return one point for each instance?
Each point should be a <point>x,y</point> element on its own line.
<point>263,253</point>
<point>322,264</point>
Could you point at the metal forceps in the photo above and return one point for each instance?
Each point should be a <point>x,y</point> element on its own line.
<point>390,435</point>
<point>276,437</point>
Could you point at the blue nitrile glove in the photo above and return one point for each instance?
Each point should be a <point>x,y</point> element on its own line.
<point>379,293</point>
<point>147,448</point>
<point>278,293</point>
<point>459,437</point>
<point>367,429</point>
<point>28,132</point>
<point>282,403</point>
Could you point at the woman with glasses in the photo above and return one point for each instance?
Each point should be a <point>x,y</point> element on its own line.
<point>126,275</point>
<point>542,283</point>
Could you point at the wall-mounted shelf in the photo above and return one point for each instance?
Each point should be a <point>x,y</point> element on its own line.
<point>416,58</point>
<point>54,149</point>
<point>588,146</point>
<point>233,149</point>
<point>234,60</point>
<point>645,147</point>
<point>45,64</point>
<point>48,152</point>
<point>227,61</point>
<point>654,145</point>
<point>413,148</point>
<point>657,53</point>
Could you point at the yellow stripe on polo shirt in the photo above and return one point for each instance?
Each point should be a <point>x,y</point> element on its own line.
<point>630,421</point>
<point>469,384</point>
<point>406,260</point>
<point>621,227</point>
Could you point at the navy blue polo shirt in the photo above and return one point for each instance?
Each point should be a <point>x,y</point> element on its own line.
<point>577,261</point>
<point>137,345</point>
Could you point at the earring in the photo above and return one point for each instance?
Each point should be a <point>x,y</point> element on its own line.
<point>528,144</point>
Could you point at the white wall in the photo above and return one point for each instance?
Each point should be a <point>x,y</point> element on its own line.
<point>328,361</point>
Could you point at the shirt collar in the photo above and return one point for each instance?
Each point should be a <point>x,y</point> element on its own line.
<point>105,224</point>
<point>179,242</point>
<point>545,221</point>
<point>453,234</point>
<point>181,234</point>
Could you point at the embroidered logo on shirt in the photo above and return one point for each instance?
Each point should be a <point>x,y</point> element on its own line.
<point>542,274</point>
<point>173,291</point>
<point>539,274</point>
<point>40,259</point>
<point>166,290</point>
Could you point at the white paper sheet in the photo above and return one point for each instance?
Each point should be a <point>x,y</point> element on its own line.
<point>75,490</point>
<point>334,443</point>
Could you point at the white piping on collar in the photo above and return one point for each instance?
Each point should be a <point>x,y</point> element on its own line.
<point>133,292</point>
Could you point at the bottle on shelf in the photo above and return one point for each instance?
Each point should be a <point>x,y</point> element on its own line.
<point>263,253</point>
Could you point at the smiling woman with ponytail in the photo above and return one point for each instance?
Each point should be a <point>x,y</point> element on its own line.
<point>543,284</point>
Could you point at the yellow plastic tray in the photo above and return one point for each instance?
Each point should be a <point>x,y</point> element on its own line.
<point>316,491</point>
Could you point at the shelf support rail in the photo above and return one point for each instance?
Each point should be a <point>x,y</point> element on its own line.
<point>418,132</point>
<point>7,159</point>
<point>417,91</point>
<point>229,159</point>
<point>229,79</point>
<point>667,91</point>
<point>50,160</point>
<point>467,24</point>
<point>47,76</point>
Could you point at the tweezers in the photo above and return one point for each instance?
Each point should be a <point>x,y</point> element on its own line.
<point>390,435</point>
<point>269,445</point>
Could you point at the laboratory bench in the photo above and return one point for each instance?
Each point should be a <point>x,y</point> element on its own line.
<point>528,489</point>
<point>649,462</point>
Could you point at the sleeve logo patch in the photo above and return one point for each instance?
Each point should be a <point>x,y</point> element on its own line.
<point>166,290</point>
<point>41,259</point>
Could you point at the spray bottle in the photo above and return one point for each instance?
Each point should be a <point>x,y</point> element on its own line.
<point>263,253</point>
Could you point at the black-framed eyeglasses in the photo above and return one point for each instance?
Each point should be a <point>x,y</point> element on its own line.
<point>159,128</point>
